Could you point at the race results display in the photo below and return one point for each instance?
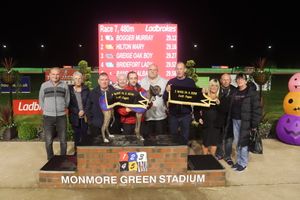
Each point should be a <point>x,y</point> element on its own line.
<point>133,47</point>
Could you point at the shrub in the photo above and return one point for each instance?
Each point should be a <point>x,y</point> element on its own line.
<point>190,72</point>
<point>70,132</point>
<point>86,72</point>
<point>27,132</point>
<point>264,129</point>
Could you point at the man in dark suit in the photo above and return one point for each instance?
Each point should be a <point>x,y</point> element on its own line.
<point>94,112</point>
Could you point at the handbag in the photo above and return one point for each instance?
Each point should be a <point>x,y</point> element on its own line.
<point>255,144</point>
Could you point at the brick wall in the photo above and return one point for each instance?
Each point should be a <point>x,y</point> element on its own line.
<point>166,164</point>
<point>95,160</point>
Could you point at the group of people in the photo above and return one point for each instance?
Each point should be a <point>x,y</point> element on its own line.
<point>230,121</point>
<point>237,113</point>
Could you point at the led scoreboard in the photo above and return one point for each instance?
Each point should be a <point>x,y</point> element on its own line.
<point>133,47</point>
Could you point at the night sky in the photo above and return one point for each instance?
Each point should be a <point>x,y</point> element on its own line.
<point>61,27</point>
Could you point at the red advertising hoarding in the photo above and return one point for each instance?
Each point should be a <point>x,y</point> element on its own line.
<point>27,107</point>
<point>66,75</point>
<point>133,47</point>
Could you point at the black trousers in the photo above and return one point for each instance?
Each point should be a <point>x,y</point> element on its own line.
<point>155,127</point>
<point>128,129</point>
<point>80,131</point>
<point>53,125</point>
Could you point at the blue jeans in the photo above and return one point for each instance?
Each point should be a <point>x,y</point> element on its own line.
<point>242,152</point>
<point>182,122</point>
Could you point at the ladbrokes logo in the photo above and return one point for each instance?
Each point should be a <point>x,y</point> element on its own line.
<point>26,107</point>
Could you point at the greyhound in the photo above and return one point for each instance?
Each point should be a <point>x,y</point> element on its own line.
<point>108,114</point>
<point>151,95</point>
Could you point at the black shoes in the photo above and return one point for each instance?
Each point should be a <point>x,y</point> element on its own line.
<point>234,166</point>
<point>239,168</point>
<point>229,162</point>
<point>219,157</point>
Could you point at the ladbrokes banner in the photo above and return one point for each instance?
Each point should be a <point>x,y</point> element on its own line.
<point>66,75</point>
<point>27,107</point>
<point>189,96</point>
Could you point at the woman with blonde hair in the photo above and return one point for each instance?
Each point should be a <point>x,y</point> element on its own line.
<point>212,119</point>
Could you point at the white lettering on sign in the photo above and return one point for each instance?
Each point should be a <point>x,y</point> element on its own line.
<point>89,179</point>
<point>124,37</point>
<point>34,106</point>
<point>160,28</point>
<point>127,64</point>
<point>126,28</point>
<point>142,73</point>
<point>144,37</point>
<point>138,46</point>
<point>124,55</point>
<point>106,29</point>
<point>139,179</point>
<point>145,64</point>
<point>147,55</point>
<point>137,55</point>
<point>130,46</point>
<point>27,107</point>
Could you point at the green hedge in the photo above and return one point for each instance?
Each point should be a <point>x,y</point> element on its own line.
<point>27,132</point>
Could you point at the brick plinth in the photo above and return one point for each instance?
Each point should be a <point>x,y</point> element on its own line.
<point>98,167</point>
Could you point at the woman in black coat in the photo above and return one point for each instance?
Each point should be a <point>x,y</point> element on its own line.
<point>79,95</point>
<point>245,112</point>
